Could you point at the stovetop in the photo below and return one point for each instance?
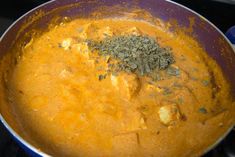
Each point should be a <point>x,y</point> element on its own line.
<point>221,14</point>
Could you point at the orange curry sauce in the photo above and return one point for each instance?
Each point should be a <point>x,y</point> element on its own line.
<point>67,111</point>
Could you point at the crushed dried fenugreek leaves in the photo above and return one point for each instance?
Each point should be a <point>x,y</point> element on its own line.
<point>138,54</point>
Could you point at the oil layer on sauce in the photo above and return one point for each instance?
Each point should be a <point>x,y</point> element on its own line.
<point>68,104</point>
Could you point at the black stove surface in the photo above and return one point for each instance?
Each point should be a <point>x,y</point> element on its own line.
<point>222,15</point>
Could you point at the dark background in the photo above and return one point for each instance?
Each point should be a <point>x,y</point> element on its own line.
<point>221,14</point>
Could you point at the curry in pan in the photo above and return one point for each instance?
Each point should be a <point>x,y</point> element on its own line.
<point>118,87</point>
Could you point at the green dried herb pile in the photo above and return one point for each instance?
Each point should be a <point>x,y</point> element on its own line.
<point>138,54</point>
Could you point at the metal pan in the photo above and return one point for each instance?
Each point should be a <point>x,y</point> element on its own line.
<point>210,37</point>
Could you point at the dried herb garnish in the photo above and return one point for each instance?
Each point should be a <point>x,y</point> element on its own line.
<point>205,82</point>
<point>202,110</point>
<point>139,54</point>
<point>173,71</point>
<point>101,77</point>
<point>194,78</point>
<point>177,85</point>
<point>166,91</point>
<point>21,92</point>
<point>156,75</point>
<point>180,100</point>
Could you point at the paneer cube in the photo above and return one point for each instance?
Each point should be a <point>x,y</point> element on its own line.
<point>134,31</point>
<point>82,49</point>
<point>127,84</point>
<point>114,80</point>
<point>168,114</point>
<point>131,84</point>
<point>65,73</point>
<point>143,124</point>
<point>132,121</point>
<point>66,43</point>
<point>106,31</point>
<point>151,87</point>
<point>87,31</point>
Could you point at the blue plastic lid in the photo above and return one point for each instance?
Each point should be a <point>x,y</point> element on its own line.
<point>231,34</point>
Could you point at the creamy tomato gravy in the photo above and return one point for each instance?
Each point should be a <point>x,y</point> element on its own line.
<point>64,106</point>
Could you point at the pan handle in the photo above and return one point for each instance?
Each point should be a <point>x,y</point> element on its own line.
<point>230,34</point>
